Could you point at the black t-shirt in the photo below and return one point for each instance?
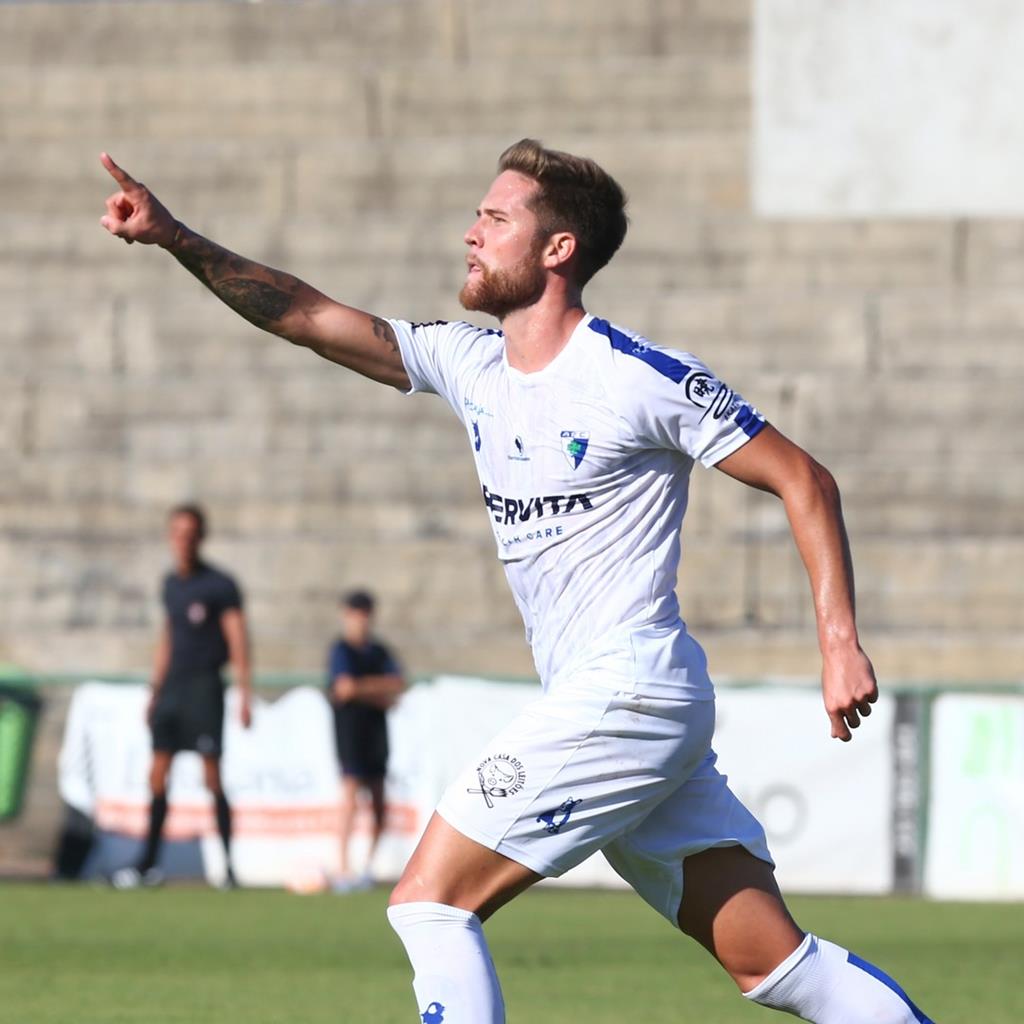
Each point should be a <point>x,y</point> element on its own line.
<point>359,727</point>
<point>194,606</point>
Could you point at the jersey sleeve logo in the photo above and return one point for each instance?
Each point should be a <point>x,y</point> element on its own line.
<point>710,394</point>
<point>574,446</point>
<point>720,402</point>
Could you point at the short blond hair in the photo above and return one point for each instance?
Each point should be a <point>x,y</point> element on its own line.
<point>575,195</point>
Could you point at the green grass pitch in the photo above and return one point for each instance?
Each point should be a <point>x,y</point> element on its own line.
<point>94,956</point>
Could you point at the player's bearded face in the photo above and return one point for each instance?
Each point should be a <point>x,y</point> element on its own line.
<point>499,291</point>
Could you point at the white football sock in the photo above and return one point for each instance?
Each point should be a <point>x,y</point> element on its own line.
<point>454,977</point>
<point>825,984</point>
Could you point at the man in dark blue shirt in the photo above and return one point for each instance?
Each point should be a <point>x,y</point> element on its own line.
<point>363,681</point>
<point>204,628</point>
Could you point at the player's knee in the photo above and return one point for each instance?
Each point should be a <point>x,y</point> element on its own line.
<point>405,892</point>
<point>158,782</point>
<point>411,889</point>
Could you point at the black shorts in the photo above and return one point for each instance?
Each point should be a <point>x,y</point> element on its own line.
<point>362,752</point>
<point>190,716</point>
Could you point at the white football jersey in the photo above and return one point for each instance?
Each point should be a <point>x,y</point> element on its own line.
<point>584,469</point>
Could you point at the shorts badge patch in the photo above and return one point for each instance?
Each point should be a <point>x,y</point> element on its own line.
<point>433,1014</point>
<point>500,775</point>
<point>554,820</point>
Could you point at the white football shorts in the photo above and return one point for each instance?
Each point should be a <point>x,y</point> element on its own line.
<point>604,764</point>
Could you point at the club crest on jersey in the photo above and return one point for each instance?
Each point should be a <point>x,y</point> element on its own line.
<point>574,446</point>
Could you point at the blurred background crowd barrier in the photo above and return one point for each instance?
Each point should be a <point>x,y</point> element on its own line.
<point>826,207</point>
<point>926,800</point>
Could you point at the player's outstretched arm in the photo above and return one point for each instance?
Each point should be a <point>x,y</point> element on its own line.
<point>772,463</point>
<point>270,299</point>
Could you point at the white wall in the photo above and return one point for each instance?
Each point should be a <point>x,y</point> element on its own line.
<point>888,108</point>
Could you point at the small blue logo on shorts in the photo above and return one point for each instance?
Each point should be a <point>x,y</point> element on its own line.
<point>433,1014</point>
<point>555,819</point>
<point>477,440</point>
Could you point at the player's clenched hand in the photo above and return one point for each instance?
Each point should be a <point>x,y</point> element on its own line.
<point>134,213</point>
<point>849,688</point>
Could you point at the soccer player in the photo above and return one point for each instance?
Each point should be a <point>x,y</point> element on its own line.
<point>584,435</point>
<point>204,627</point>
<point>363,681</point>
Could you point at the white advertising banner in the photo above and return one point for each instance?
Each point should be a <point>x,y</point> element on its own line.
<point>827,807</point>
<point>976,807</point>
<point>281,776</point>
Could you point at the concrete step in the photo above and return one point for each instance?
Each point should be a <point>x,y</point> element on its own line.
<point>949,583</point>
<point>270,180</point>
<point>197,34</point>
<point>420,97</point>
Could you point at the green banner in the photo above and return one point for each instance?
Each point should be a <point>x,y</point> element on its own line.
<point>18,713</point>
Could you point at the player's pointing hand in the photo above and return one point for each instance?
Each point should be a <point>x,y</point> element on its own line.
<point>134,213</point>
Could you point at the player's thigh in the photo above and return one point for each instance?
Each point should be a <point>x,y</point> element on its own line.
<point>206,722</point>
<point>450,868</point>
<point>701,814</point>
<point>732,906</point>
<point>348,787</point>
<point>167,736</point>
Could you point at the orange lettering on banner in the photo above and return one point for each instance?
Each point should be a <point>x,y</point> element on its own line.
<point>189,820</point>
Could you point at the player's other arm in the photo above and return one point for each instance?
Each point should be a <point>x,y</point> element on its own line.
<point>161,663</point>
<point>270,299</point>
<point>810,494</point>
<point>380,691</point>
<point>232,622</point>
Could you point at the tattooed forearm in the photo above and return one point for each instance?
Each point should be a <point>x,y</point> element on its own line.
<point>286,306</point>
<point>383,330</point>
<point>261,295</point>
<point>259,302</point>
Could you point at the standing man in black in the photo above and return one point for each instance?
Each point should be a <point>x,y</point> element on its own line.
<point>363,681</point>
<point>204,628</point>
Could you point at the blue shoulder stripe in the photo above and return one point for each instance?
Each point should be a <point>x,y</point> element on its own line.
<point>664,364</point>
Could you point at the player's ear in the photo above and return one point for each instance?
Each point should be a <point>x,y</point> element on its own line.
<point>559,250</point>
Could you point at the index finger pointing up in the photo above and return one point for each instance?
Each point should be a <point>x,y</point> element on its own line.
<point>123,178</point>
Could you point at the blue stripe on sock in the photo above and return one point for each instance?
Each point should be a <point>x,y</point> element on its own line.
<point>888,983</point>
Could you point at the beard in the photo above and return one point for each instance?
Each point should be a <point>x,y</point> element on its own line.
<point>500,292</point>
